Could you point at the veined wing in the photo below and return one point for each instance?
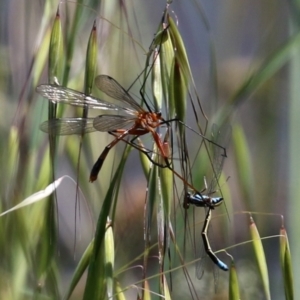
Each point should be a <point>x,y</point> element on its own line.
<point>61,94</point>
<point>106,123</point>
<point>220,136</point>
<point>68,126</point>
<point>112,88</point>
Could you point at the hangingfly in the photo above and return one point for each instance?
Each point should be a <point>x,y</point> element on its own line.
<point>200,200</point>
<point>134,119</point>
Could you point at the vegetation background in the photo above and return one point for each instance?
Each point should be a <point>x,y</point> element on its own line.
<point>227,43</point>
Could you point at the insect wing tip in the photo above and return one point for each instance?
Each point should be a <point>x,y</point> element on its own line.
<point>39,89</point>
<point>44,127</point>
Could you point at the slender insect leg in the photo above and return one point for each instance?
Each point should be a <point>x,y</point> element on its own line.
<point>139,147</point>
<point>162,149</point>
<point>206,243</point>
<point>98,164</point>
<point>165,152</point>
<point>142,149</point>
<point>200,134</point>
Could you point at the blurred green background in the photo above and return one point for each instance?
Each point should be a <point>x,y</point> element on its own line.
<point>227,42</point>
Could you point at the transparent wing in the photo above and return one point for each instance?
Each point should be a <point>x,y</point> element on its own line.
<point>60,94</point>
<point>220,136</point>
<point>68,126</point>
<point>112,122</point>
<point>112,88</point>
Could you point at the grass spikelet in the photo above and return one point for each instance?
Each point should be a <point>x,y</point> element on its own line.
<point>13,154</point>
<point>157,88</point>
<point>178,90</point>
<point>166,60</point>
<point>91,61</point>
<point>55,76</point>
<point>234,290</point>
<point>119,295</point>
<point>166,291</point>
<point>260,258</point>
<point>56,52</point>
<point>178,45</point>
<point>109,259</point>
<point>147,291</point>
<point>286,265</point>
<point>146,164</point>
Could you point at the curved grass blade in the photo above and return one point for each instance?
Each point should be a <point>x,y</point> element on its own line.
<point>80,269</point>
<point>95,284</point>
<point>37,196</point>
